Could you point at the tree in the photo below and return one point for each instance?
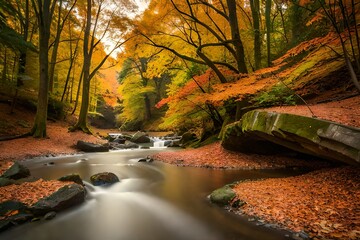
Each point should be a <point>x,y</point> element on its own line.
<point>44,11</point>
<point>94,27</point>
<point>341,18</point>
<point>268,30</point>
<point>255,12</point>
<point>198,25</point>
<point>55,45</point>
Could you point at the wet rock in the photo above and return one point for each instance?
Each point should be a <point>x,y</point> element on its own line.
<point>50,215</point>
<point>5,182</point>
<point>64,198</point>
<point>91,147</point>
<point>5,224</point>
<point>311,136</point>
<point>119,140</point>
<point>147,159</point>
<point>104,178</point>
<point>16,171</point>
<point>14,212</point>
<point>140,137</point>
<point>72,178</point>
<point>223,196</point>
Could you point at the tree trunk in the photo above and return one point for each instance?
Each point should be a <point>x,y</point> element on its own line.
<point>147,116</point>
<point>39,128</point>
<point>82,122</point>
<point>239,48</point>
<point>268,30</point>
<point>255,10</point>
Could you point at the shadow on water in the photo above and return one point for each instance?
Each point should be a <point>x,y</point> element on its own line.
<point>152,201</point>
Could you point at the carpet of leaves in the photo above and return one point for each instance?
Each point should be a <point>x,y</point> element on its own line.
<point>325,203</point>
<point>30,192</point>
<point>215,156</point>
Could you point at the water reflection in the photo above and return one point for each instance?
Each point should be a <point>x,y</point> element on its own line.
<point>152,201</point>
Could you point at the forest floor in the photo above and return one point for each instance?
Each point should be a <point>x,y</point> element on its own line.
<point>324,203</point>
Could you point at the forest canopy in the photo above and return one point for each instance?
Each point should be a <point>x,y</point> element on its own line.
<point>171,64</point>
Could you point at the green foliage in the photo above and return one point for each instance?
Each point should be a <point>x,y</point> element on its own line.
<point>277,95</point>
<point>195,70</point>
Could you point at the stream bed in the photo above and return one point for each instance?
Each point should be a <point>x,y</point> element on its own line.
<point>152,201</point>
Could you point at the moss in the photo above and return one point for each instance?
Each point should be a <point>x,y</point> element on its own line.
<point>223,196</point>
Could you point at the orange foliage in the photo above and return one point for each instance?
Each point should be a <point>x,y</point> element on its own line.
<point>308,202</point>
<point>30,192</point>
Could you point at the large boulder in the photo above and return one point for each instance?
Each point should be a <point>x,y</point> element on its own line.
<point>140,137</point>
<point>104,178</point>
<point>16,171</point>
<point>325,139</point>
<point>91,147</point>
<point>67,196</point>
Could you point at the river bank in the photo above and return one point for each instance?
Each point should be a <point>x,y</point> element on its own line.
<point>329,189</point>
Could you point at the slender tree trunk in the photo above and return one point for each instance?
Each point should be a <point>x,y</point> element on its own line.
<point>4,71</point>
<point>39,128</point>
<point>147,108</point>
<point>82,121</point>
<point>268,30</point>
<point>239,48</point>
<point>54,52</point>
<point>255,10</point>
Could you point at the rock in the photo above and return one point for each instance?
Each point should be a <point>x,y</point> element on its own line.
<point>72,178</point>
<point>91,147</point>
<point>19,213</point>
<point>64,198</point>
<point>223,196</point>
<point>118,146</point>
<point>321,138</point>
<point>131,145</point>
<point>5,181</point>
<point>5,224</point>
<point>50,215</point>
<point>140,137</point>
<point>16,171</point>
<point>104,178</point>
<point>147,159</point>
<point>119,140</point>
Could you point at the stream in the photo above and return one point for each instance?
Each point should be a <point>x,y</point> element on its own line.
<point>151,201</point>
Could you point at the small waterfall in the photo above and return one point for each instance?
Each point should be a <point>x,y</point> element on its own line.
<point>159,144</point>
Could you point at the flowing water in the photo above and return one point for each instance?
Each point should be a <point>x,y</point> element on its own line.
<point>152,201</point>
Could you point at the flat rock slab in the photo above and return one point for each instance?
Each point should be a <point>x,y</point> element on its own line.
<point>325,139</point>
<point>65,197</point>
<point>91,147</point>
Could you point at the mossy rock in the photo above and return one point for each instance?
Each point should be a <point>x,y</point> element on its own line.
<point>223,196</point>
<point>321,138</point>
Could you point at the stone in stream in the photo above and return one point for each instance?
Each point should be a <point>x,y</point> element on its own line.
<point>91,147</point>
<point>140,137</point>
<point>223,196</point>
<point>16,171</point>
<point>74,177</point>
<point>67,196</point>
<point>13,213</point>
<point>104,178</point>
